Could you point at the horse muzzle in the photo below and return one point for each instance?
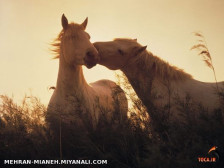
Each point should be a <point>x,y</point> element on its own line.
<point>91,59</point>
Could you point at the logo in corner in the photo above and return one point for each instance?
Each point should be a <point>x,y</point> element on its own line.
<point>212,156</point>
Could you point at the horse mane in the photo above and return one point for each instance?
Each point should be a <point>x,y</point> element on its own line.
<point>153,64</point>
<point>56,44</point>
<point>160,68</point>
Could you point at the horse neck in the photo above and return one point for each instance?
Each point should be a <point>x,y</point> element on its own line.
<point>70,79</point>
<point>144,78</point>
<point>140,82</point>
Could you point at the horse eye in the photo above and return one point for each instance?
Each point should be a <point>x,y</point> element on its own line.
<point>120,52</point>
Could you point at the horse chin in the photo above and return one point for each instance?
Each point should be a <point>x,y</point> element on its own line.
<point>90,65</point>
<point>110,67</point>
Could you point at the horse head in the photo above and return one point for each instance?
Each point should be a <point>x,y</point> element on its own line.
<point>117,53</point>
<point>75,45</point>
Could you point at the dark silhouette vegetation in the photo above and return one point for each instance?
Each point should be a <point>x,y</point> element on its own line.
<point>131,143</point>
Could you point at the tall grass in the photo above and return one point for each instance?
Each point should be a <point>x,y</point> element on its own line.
<point>25,135</point>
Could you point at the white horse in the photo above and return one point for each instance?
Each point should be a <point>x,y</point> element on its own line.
<point>156,83</point>
<point>73,97</point>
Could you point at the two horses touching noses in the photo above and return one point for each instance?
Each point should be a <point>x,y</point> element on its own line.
<point>155,82</point>
<point>74,100</point>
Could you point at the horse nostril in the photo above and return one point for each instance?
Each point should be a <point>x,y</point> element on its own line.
<point>89,54</point>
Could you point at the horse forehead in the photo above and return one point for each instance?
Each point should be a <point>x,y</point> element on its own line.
<point>74,30</point>
<point>125,44</point>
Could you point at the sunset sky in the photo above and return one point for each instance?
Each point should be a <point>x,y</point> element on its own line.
<point>165,26</point>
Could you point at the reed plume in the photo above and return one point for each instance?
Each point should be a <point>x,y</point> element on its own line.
<point>202,47</point>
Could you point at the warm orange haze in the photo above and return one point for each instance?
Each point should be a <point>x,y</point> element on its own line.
<point>28,27</point>
<point>116,83</point>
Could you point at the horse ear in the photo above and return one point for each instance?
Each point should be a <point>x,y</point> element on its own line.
<point>84,24</point>
<point>64,22</point>
<point>141,49</point>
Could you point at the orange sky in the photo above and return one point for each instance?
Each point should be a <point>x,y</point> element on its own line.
<point>166,26</point>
